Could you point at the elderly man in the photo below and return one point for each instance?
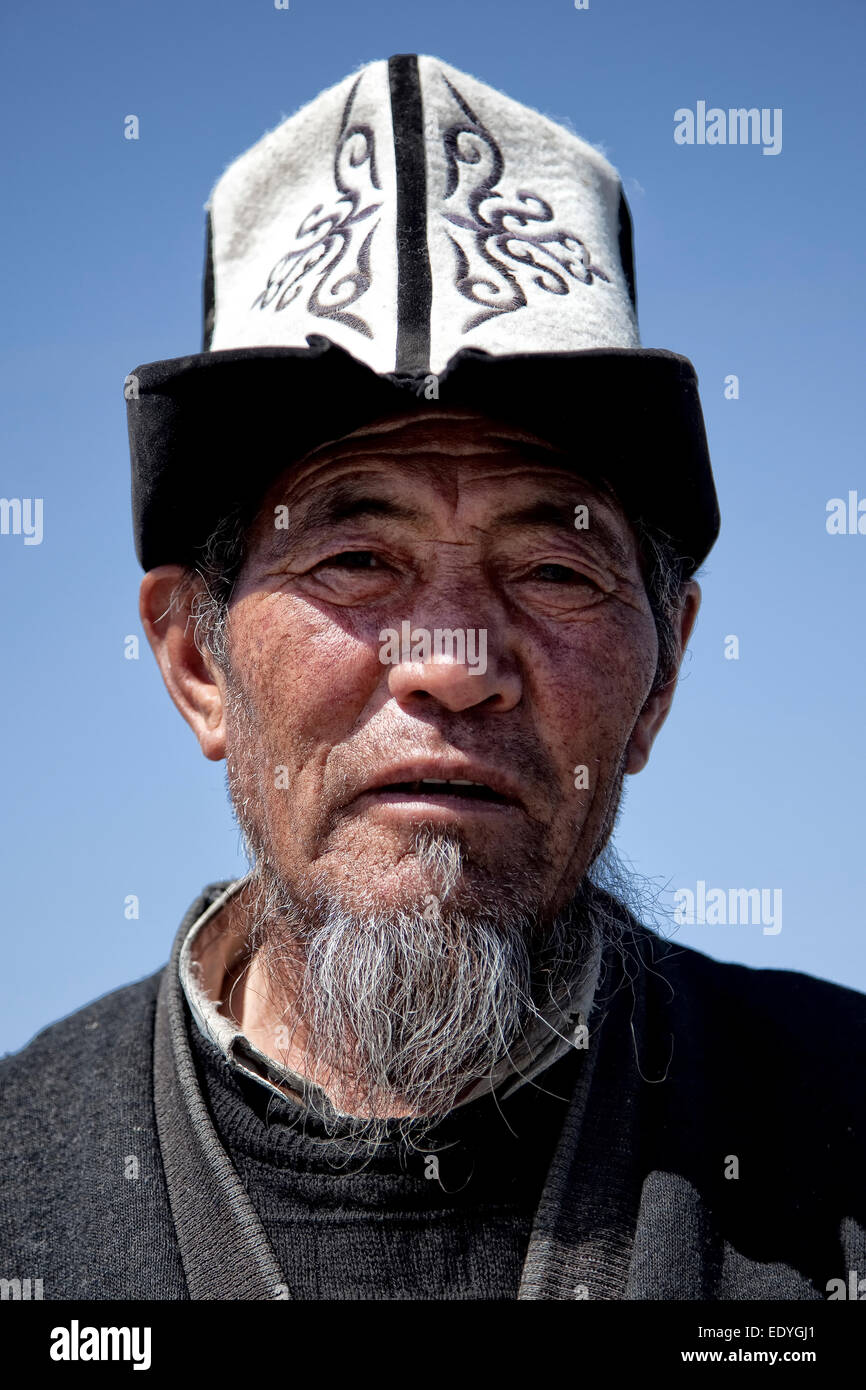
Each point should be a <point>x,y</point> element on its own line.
<point>420,528</point>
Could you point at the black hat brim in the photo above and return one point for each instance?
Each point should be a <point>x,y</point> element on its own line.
<point>213,430</point>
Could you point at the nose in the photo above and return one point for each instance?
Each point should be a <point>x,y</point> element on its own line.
<point>460,668</point>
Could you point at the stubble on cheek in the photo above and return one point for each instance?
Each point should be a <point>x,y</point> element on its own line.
<point>596,711</point>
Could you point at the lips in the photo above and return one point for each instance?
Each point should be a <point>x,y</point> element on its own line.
<point>443,786</point>
<point>446,781</point>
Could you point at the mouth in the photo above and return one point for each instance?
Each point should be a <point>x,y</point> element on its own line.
<point>440,791</point>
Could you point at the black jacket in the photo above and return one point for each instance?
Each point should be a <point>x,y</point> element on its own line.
<point>715,1146</point>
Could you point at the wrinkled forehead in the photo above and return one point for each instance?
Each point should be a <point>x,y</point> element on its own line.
<point>447,448</point>
<point>409,470</point>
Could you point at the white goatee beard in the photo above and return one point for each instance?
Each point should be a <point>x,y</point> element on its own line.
<point>409,1007</point>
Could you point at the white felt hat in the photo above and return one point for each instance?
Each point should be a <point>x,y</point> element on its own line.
<point>412,211</point>
<point>413,222</point>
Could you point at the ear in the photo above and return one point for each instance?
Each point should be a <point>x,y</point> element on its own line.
<point>657,707</point>
<point>191,679</point>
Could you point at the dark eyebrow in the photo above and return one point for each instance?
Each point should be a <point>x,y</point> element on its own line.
<point>561,515</point>
<point>325,513</point>
<point>348,505</point>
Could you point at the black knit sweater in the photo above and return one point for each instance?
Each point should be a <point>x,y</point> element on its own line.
<point>384,1226</point>
<point>713,1148</point>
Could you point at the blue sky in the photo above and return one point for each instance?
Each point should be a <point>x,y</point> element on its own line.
<point>748,264</point>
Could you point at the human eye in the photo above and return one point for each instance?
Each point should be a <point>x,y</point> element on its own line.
<point>348,576</point>
<point>559,588</point>
<point>555,573</point>
<point>351,560</point>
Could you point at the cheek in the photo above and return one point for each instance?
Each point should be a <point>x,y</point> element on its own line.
<point>309,677</point>
<point>589,684</point>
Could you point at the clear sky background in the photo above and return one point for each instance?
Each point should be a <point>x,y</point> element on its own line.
<point>746,263</point>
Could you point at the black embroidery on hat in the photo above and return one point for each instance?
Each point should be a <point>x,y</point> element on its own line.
<point>502,235</point>
<point>333,235</point>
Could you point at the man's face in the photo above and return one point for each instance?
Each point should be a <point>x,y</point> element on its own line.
<point>441,523</point>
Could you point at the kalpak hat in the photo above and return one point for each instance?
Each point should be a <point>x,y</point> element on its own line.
<point>414,235</point>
